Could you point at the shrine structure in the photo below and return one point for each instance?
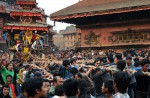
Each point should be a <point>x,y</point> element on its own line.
<point>109,24</point>
<point>28,29</point>
<point>3,15</point>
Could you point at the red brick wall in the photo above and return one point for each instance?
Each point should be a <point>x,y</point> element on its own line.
<point>105,32</point>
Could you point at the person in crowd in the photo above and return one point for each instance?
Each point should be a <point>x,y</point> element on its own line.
<point>78,76</point>
<point>121,83</point>
<point>132,86</point>
<point>118,57</point>
<point>37,88</point>
<point>110,61</point>
<point>143,80</point>
<point>121,65</point>
<point>12,85</point>
<point>90,84</point>
<point>73,71</point>
<point>57,80</point>
<point>107,88</point>
<point>1,87</point>
<point>23,93</point>
<point>47,83</point>
<point>64,70</point>
<point>73,63</point>
<point>98,81</point>
<point>27,68</point>
<point>148,57</point>
<point>71,88</point>
<point>97,63</point>
<point>129,62</point>
<point>19,83</point>
<point>83,88</point>
<point>9,71</point>
<point>59,91</point>
<point>5,91</point>
<point>37,74</point>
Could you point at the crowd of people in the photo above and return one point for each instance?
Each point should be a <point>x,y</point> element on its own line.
<point>78,74</point>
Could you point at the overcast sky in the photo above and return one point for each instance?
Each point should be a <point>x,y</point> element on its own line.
<point>51,6</point>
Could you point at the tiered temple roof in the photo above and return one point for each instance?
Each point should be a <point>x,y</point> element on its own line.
<point>87,8</point>
<point>21,26</point>
<point>28,2</point>
<point>22,14</point>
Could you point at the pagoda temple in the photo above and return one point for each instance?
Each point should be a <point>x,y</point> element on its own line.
<point>109,24</point>
<point>28,29</point>
<point>4,15</point>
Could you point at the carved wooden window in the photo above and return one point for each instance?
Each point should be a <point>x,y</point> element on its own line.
<point>136,36</point>
<point>141,36</point>
<point>130,37</point>
<point>110,38</point>
<point>120,38</point>
<point>125,37</point>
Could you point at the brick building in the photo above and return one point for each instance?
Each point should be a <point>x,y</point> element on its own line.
<point>59,41</point>
<point>70,37</point>
<point>105,24</point>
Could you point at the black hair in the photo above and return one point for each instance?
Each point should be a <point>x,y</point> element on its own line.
<point>121,80</point>
<point>74,71</point>
<point>46,80</point>
<point>125,54</point>
<point>59,91</point>
<point>55,78</point>
<point>148,56</point>
<point>9,64</point>
<point>27,66</point>
<point>5,86</point>
<point>137,63</point>
<point>37,75</point>
<point>144,61</point>
<point>72,60</point>
<point>66,63</point>
<point>71,87</point>
<point>108,83</point>
<point>111,59</point>
<point>128,58</point>
<point>33,85</point>
<point>96,70</point>
<point>83,87</point>
<point>9,76</point>
<point>136,59</point>
<point>118,56</point>
<point>24,87</point>
<point>121,65</point>
<point>96,60</point>
<point>79,75</point>
<point>84,96</point>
